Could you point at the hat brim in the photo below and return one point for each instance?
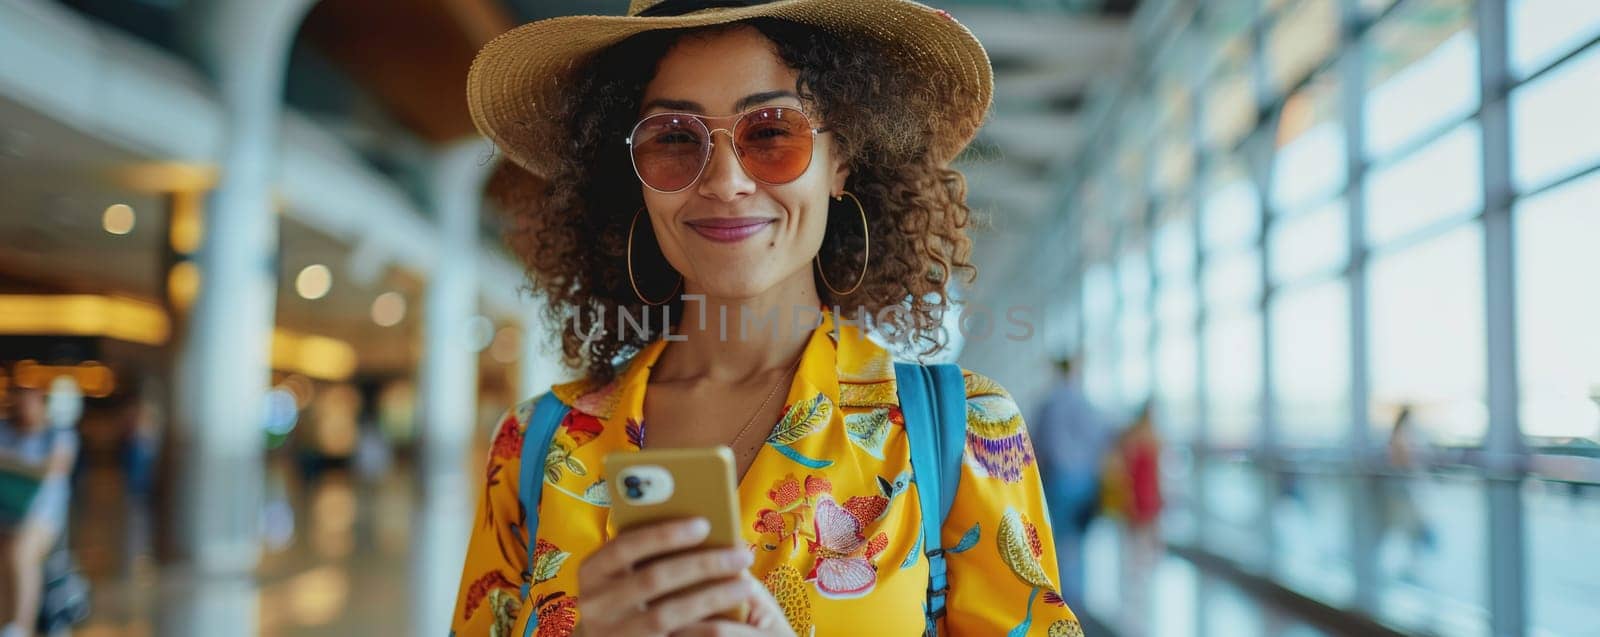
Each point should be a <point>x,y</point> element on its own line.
<point>515,84</point>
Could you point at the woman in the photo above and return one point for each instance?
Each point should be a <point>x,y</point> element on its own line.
<point>1133,476</point>
<point>741,166</point>
<point>28,438</point>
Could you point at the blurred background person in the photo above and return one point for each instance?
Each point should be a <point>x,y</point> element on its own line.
<point>39,434</point>
<point>1070,440</point>
<point>139,421</point>
<point>1407,458</point>
<point>1132,493</point>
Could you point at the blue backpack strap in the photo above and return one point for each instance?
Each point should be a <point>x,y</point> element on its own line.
<point>933,401</point>
<point>547,415</point>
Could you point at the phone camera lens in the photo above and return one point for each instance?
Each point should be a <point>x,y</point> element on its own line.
<point>632,482</point>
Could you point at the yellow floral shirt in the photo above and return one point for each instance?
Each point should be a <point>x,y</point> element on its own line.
<point>828,508</point>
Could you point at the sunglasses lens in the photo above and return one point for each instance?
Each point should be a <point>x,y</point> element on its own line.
<point>775,144</point>
<point>669,150</point>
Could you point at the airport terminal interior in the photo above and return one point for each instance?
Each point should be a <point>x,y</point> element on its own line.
<point>1343,255</point>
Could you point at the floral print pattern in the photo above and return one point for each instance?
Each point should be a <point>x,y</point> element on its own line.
<point>829,507</point>
<point>576,430</point>
<point>835,534</point>
<point>997,442</point>
<point>789,590</point>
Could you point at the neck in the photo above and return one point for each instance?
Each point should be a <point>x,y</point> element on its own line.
<point>760,333</point>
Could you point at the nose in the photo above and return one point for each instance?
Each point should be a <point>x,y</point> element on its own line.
<point>724,178</point>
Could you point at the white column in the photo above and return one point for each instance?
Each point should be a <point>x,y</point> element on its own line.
<point>224,364</point>
<point>448,381</point>
<point>449,373</point>
<point>244,45</point>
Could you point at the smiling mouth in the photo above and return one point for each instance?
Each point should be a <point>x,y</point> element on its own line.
<point>730,230</point>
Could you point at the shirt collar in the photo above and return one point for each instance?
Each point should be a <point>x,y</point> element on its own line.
<point>844,364</point>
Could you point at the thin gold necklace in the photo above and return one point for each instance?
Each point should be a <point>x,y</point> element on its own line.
<point>757,413</point>
<point>746,428</point>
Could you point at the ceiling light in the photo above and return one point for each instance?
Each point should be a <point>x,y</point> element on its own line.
<point>314,282</point>
<point>117,219</point>
<point>183,284</point>
<point>319,357</point>
<point>389,309</point>
<point>84,315</point>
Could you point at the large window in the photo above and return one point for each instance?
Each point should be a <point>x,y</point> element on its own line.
<point>1233,280</point>
<point>1231,216</point>
<point>1426,324</point>
<point>1311,244</point>
<point>1303,37</point>
<point>1134,350</point>
<point>1233,378</point>
<point>1309,164</point>
<point>1230,105</point>
<point>1558,319</point>
<point>1422,73</point>
<point>1440,181</point>
<point>1337,237</point>
<point>1177,397</point>
<point>1543,30</point>
<point>1176,307</point>
<point>1311,364</point>
<point>1554,120</point>
<point>1100,336</point>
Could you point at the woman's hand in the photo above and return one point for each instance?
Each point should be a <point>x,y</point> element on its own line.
<point>628,589</point>
<point>765,620</point>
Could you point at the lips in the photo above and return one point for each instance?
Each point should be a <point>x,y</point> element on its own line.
<point>730,229</point>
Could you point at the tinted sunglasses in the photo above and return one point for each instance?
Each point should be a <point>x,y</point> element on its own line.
<point>773,143</point>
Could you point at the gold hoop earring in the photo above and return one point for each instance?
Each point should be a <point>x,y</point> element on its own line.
<point>866,256</point>
<point>631,282</point>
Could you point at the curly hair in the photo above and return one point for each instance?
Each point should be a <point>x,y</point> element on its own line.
<point>569,229</point>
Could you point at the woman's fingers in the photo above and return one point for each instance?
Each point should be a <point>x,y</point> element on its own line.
<point>668,575</point>
<point>630,547</point>
<point>686,608</point>
<point>765,614</point>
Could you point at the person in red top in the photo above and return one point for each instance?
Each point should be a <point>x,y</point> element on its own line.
<point>1133,493</point>
<point>1141,455</point>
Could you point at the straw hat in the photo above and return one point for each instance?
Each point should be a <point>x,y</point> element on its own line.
<point>516,81</point>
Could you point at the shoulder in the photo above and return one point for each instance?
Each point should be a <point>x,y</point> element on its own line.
<point>587,397</point>
<point>991,412</point>
<point>980,386</point>
<point>997,440</point>
<point>572,395</point>
<point>505,441</point>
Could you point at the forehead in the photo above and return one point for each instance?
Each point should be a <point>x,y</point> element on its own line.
<point>716,70</point>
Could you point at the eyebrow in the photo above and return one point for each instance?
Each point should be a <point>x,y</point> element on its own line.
<point>744,103</point>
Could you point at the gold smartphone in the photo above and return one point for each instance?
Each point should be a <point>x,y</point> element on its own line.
<point>657,485</point>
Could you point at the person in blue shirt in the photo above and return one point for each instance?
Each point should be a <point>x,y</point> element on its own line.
<point>1070,440</point>
<point>30,438</point>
